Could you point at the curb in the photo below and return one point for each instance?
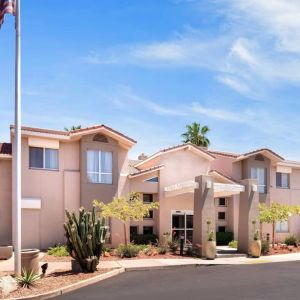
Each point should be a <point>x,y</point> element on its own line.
<point>74,286</point>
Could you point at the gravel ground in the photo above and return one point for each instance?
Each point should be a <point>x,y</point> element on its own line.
<point>51,282</point>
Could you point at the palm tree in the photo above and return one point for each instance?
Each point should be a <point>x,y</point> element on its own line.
<point>196,135</point>
<point>74,127</point>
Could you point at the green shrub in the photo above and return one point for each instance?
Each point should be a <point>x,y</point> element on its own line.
<point>290,240</point>
<point>27,279</point>
<point>58,251</point>
<point>173,245</point>
<point>129,250</point>
<point>223,238</point>
<point>233,244</point>
<point>162,249</point>
<point>265,247</point>
<point>142,239</point>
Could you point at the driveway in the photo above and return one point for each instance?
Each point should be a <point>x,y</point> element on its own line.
<point>257,281</point>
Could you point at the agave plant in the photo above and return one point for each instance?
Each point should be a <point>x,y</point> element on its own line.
<point>28,278</point>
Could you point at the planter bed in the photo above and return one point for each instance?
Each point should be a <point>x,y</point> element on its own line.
<point>51,258</point>
<point>53,281</point>
<point>282,249</point>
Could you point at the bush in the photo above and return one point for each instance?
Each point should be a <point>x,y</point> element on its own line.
<point>233,244</point>
<point>173,245</point>
<point>58,251</point>
<point>129,250</point>
<point>265,247</point>
<point>290,240</point>
<point>142,239</point>
<point>27,279</point>
<point>162,249</point>
<point>224,238</point>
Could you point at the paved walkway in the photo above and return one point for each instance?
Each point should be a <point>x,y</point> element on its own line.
<point>140,264</point>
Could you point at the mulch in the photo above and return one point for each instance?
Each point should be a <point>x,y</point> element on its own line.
<point>53,281</point>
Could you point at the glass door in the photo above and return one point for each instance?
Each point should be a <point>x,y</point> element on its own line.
<point>182,224</point>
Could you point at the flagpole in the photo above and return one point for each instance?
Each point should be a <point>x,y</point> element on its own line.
<point>17,143</point>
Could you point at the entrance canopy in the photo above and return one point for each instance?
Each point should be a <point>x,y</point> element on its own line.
<point>220,189</point>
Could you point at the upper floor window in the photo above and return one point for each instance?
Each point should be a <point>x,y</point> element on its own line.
<point>260,175</point>
<point>99,166</point>
<point>43,158</point>
<point>282,180</point>
<point>147,198</point>
<point>282,226</point>
<point>222,202</point>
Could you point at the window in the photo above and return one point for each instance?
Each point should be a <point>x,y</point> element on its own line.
<point>222,202</point>
<point>147,198</point>
<point>182,224</point>
<point>221,215</point>
<point>221,228</point>
<point>260,175</point>
<point>150,215</point>
<point>134,230</point>
<point>153,179</point>
<point>99,166</point>
<point>282,226</point>
<point>147,230</point>
<point>43,158</point>
<point>283,180</point>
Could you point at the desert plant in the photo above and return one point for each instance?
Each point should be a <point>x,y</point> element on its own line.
<point>265,247</point>
<point>128,250</point>
<point>290,240</point>
<point>173,245</point>
<point>58,251</point>
<point>27,278</point>
<point>233,244</point>
<point>85,235</point>
<point>162,249</point>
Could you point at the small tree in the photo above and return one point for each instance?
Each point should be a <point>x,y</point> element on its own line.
<point>126,208</point>
<point>72,128</point>
<point>276,212</point>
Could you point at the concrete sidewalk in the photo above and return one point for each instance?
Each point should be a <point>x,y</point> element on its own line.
<point>156,263</point>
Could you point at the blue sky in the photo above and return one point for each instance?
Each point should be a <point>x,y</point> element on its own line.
<point>148,68</point>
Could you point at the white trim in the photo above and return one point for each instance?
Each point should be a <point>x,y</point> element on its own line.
<point>146,172</point>
<point>187,146</point>
<point>31,203</point>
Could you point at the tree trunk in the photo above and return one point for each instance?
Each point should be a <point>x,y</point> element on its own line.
<point>125,234</point>
<point>273,234</point>
<point>260,229</point>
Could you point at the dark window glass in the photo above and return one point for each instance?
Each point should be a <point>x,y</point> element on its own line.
<point>222,202</point>
<point>153,179</point>
<point>221,228</point>
<point>221,215</point>
<point>189,236</point>
<point>133,230</point>
<point>178,221</point>
<point>36,159</point>
<point>150,215</point>
<point>189,221</point>
<point>147,230</point>
<point>147,198</point>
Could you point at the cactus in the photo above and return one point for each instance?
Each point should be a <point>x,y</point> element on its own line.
<point>85,236</point>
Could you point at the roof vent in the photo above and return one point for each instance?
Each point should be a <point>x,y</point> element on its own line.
<point>142,156</point>
<point>259,157</point>
<point>100,138</point>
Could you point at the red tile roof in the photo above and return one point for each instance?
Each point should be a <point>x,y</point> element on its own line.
<point>73,132</point>
<point>261,150</point>
<point>5,148</point>
<point>154,168</point>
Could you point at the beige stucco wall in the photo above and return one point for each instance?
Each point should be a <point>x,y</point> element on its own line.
<point>105,192</point>
<point>180,166</point>
<point>5,202</point>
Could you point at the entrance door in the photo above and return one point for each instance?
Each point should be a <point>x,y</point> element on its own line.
<point>182,224</point>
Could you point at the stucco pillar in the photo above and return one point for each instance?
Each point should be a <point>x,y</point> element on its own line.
<point>204,210</point>
<point>248,212</point>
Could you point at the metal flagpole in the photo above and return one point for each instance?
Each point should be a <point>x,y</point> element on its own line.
<point>17,144</point>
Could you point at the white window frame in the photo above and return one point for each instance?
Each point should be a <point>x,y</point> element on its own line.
<point>278,227</point>
<point>263,186</point>
<point>99,166</point>
<point>288,180</point>
<point>44,159</point>
<point>182,213</point>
